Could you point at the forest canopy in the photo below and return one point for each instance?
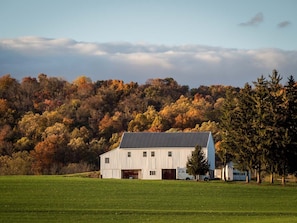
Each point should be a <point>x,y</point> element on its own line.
<point>51,126</point>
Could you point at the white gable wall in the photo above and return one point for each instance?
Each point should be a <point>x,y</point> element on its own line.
<point>110,169</point>
<point>210,152</point>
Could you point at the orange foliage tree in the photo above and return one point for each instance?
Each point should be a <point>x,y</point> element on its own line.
<point>43,155</point>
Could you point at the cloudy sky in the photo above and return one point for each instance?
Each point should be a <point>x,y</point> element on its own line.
<point>196,42</point>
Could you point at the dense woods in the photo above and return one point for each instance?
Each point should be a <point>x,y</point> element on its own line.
<point>51,126</point>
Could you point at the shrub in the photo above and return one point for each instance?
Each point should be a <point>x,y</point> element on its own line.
<point>18,164</point>
<point>76,168</point>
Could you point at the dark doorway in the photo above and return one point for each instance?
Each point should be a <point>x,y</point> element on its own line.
<point>168,174</point>
<point>130,174</point>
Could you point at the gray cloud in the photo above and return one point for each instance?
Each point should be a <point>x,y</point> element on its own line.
<point>283,24</point>
<point>192,65</point>
<point>257,19</point>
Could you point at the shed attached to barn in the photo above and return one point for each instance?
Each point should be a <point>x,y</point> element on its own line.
<point>155,155</point>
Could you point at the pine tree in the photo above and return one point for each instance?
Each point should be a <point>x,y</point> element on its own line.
<point>291,122</point>
<point>197,163</point>
<point>259,127</point>
<point>228,132</point>
<point>244,152</point>
<point>277,157</point>
<point>262,137</point>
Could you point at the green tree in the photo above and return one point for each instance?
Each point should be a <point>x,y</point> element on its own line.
<point>291,123</point>
<point>197,163</point>
<point>258,126</point>
<point>228,131</point>
<point>243,149</point>
<point>277,131</point>
<point>262,135</point>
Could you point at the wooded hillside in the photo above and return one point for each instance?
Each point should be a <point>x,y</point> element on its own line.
<point>51,126</point>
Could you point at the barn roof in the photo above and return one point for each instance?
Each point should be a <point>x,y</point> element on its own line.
<point>164,139</point>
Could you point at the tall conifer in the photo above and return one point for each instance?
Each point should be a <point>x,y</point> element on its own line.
<point>228,143</point>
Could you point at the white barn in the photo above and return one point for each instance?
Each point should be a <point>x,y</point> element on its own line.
<point>157,155</point>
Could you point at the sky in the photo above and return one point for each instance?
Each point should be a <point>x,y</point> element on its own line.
<point>196,42</point>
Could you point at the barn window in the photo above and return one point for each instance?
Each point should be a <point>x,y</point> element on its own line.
<point>152,172</point>
<point>152,153</point>
<point>144,154</point>
<point>129,154</point>
<point>106,160</point>
<point>169,153</point>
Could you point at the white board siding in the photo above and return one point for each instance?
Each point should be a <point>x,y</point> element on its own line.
<point>119,160</point>
<point>111,169</point>
<point>210,152</point>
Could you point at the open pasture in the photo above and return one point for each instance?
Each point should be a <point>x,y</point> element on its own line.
<point>77,199</point>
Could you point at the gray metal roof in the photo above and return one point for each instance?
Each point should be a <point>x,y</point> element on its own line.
<point>163,139</point>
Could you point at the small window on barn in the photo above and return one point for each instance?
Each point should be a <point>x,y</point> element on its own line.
<point>106,160</point>
<point>152,172</point>
<point>152,153</point>
<point>144,154</point>
<point>169,153</point>
<point>129,154</point>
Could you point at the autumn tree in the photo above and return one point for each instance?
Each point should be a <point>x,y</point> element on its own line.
<point>161,92</point>
<point>110,124</point>
<point>79,145</point>
<point>84,87</point>
<point>51,94</point>
<point>43,156</point>
<point>97,147</point>
<point>24,144</point>
<point>18,163</point>
<point>30,89</point>
<point>150,120</point>
<point>6,145</point>
<point>184,113</point>
<point>32,125</point>
<point>9,90</point>
<point>6,113</point>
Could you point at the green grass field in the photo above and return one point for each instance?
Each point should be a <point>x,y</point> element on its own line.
<point>77,199</point>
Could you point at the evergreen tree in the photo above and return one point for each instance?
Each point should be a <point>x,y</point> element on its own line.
<point>244,152</point>
<point>197,164</point>
<point>259,127</point>
<point>262,137</point>
<point>291,122</point>
<point>228,142</point>
<point>277,157</point>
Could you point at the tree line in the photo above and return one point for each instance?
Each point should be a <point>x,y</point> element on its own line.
<point>51,126</point>
<point>259,127</point>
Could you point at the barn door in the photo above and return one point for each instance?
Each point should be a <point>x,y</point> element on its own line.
<point>131,174</point>
<point>168,174</point>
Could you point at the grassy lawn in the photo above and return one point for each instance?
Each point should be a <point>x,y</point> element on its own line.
<point>77,199</point>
